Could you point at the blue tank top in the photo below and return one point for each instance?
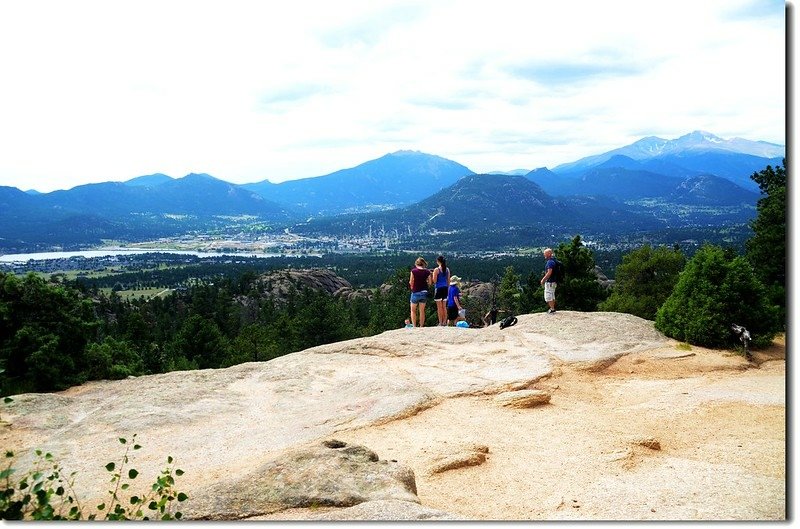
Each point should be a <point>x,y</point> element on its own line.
<point>441,279</point>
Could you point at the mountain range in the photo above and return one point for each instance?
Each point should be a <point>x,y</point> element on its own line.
<point>411,192</point>
<point>393,180</point>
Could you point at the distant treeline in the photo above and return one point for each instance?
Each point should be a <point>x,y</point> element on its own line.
<point>360,270</point>
<point>58,332</point>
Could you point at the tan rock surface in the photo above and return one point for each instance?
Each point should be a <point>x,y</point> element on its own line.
<point>408,394</point>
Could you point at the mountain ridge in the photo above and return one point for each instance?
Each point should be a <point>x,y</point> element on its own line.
<point>697,141</point>
<point>158,205</point>
<point>389,181</point>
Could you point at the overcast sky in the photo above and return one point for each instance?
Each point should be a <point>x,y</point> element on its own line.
<point>94,91</point>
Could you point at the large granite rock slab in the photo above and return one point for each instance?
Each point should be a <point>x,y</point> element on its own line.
<point>220,424</point>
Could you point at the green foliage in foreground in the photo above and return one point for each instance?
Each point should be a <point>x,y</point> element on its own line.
<point>715,290</point>
<point>46,493</point>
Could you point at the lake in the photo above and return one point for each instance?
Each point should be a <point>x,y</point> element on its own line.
<point>43,256</point>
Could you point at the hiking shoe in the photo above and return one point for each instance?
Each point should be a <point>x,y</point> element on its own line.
<point>551,311</point>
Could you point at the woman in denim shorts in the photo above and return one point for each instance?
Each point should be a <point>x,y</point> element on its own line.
<point>419,281</point>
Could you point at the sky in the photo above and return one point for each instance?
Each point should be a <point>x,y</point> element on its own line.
<point>246,90</point>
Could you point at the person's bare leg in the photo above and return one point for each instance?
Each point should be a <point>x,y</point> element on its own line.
<point>442,311</point>
<point>422,314</point>
<point>413,316</point>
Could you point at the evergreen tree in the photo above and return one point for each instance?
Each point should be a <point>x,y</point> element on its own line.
<point>390,306</point>
<point>766,250</point>
<point>716,289</point>
<point>200,342</point>
<point>509,292</point>
<point>255,343</point>
<point>580,289</point>
<point>112,359</point>
<point>44,329</point>
<point>644,280</point>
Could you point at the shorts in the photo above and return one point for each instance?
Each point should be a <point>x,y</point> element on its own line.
<point>452,312</point>
<point>549,291</point>
<point>419,297</point>
<point>441,294</point>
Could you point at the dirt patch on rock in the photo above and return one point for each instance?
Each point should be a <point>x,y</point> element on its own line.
<point>714,426</point>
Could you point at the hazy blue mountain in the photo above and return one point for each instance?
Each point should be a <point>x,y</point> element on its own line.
<point>150,180</point>
<point>615,182</point>
<point>500,201</point>
<point>115,210</point>
<point>495,210</point>
<point>693,143</point>
<point>666,167</point>
<point>197,195</point>
<point>513,172</point>
<point>204,195</point>
<point>690,155</point>
<point>14,201</point>
<point>113,199</point>
<point>601,215</point>
<point>712,190</point>
<point>735,167</point>
<point>620,161</point>
<point>488,200</point>
<point>396,179</point>
<point>696,180</point>
<point>544,178</point>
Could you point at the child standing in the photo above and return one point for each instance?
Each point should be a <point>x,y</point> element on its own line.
<point>453,300</point>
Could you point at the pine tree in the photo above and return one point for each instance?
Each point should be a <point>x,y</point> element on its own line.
<point>644,280</point>
<point>580,289</point>
<point>766,250</point>
<point>715,290</point>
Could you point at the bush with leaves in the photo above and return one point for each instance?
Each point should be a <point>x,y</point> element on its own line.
<point>45,493</point>
<point>716,289</point>
<point>644,280</point>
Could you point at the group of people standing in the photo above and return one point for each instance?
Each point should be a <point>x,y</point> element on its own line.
<point>447,293</point>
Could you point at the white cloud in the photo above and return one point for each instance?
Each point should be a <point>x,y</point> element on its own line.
<point>248,90</point>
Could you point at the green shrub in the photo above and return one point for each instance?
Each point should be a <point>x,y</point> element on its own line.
<point>714,291</point>
<point>45,493</point>
<point>644,280</point>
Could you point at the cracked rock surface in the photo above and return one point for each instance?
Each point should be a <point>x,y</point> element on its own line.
<point>413,396</point>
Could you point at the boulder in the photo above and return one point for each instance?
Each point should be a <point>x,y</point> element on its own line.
<point>327,474</point>
<point>527,398</point>
<point>459,457</point>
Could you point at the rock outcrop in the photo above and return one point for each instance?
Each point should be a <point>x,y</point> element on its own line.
<point>327,474</point>
<point>250,437</point>
<point>278,284</point>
